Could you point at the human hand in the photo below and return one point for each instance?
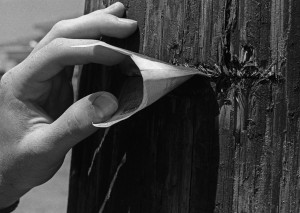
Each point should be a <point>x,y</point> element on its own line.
<point>38,124</point>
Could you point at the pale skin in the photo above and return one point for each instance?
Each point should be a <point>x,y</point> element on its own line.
<point>39,123</point>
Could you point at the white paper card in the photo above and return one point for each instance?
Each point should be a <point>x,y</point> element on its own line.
<point>149,80</point>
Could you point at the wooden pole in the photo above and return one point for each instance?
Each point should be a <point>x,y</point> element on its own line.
<point>179,158</point>
<point>171,147</point>
<point>259,129</point>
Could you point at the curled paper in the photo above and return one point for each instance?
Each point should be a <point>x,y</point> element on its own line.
<point>148,80</point>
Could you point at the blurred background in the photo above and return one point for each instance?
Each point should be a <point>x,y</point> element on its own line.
<point>22,25</point>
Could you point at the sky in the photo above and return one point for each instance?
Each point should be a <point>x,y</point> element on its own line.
<point>17,17</point>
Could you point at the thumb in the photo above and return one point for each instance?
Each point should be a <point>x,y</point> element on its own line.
<point>75,123</point>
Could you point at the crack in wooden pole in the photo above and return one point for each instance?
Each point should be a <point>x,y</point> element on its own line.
<point>97,151</point>
<point>123,161</point>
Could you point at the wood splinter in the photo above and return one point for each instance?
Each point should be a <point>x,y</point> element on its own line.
<point>123,161</point>
<point>97,150</point>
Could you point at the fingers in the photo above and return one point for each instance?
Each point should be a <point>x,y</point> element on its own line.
<point>116,9</point>
<point>51,59</point>
<point>92,26</point>
<point>76,123</point>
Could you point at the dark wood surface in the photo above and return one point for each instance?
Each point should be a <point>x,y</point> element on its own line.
<point>259,125</point>
<point>180,158</point>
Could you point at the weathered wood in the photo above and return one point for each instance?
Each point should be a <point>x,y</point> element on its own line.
<point>172,147</point>
<point>259,131</point>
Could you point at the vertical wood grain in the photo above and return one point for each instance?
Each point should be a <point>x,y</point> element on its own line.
<point>172,146</point>
<point>178,158</point>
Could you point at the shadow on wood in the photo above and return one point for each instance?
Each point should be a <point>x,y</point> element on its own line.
<point>171,147</point>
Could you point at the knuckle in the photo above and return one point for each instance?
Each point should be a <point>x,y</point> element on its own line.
<point>55,50</point>
<point>58,27</point>
<point>56,44</point>
<point>11,84</point>
<point>62,28</point>
<point>6,79</point>
<point>74,124</point>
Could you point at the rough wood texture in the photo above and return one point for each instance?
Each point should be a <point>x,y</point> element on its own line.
<point>259,128</point>
<point>172,147</point>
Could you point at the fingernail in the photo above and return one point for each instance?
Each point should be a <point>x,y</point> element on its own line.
<point>105,106</point>
<point>128,21</point>
<point>117,4</point>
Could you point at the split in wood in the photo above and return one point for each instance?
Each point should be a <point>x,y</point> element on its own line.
<point>123,161</point>
<point>97,151</point>
<point>244,72</point>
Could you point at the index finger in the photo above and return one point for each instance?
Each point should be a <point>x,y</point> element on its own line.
<point>28,78</point>
<point>84,27</point>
